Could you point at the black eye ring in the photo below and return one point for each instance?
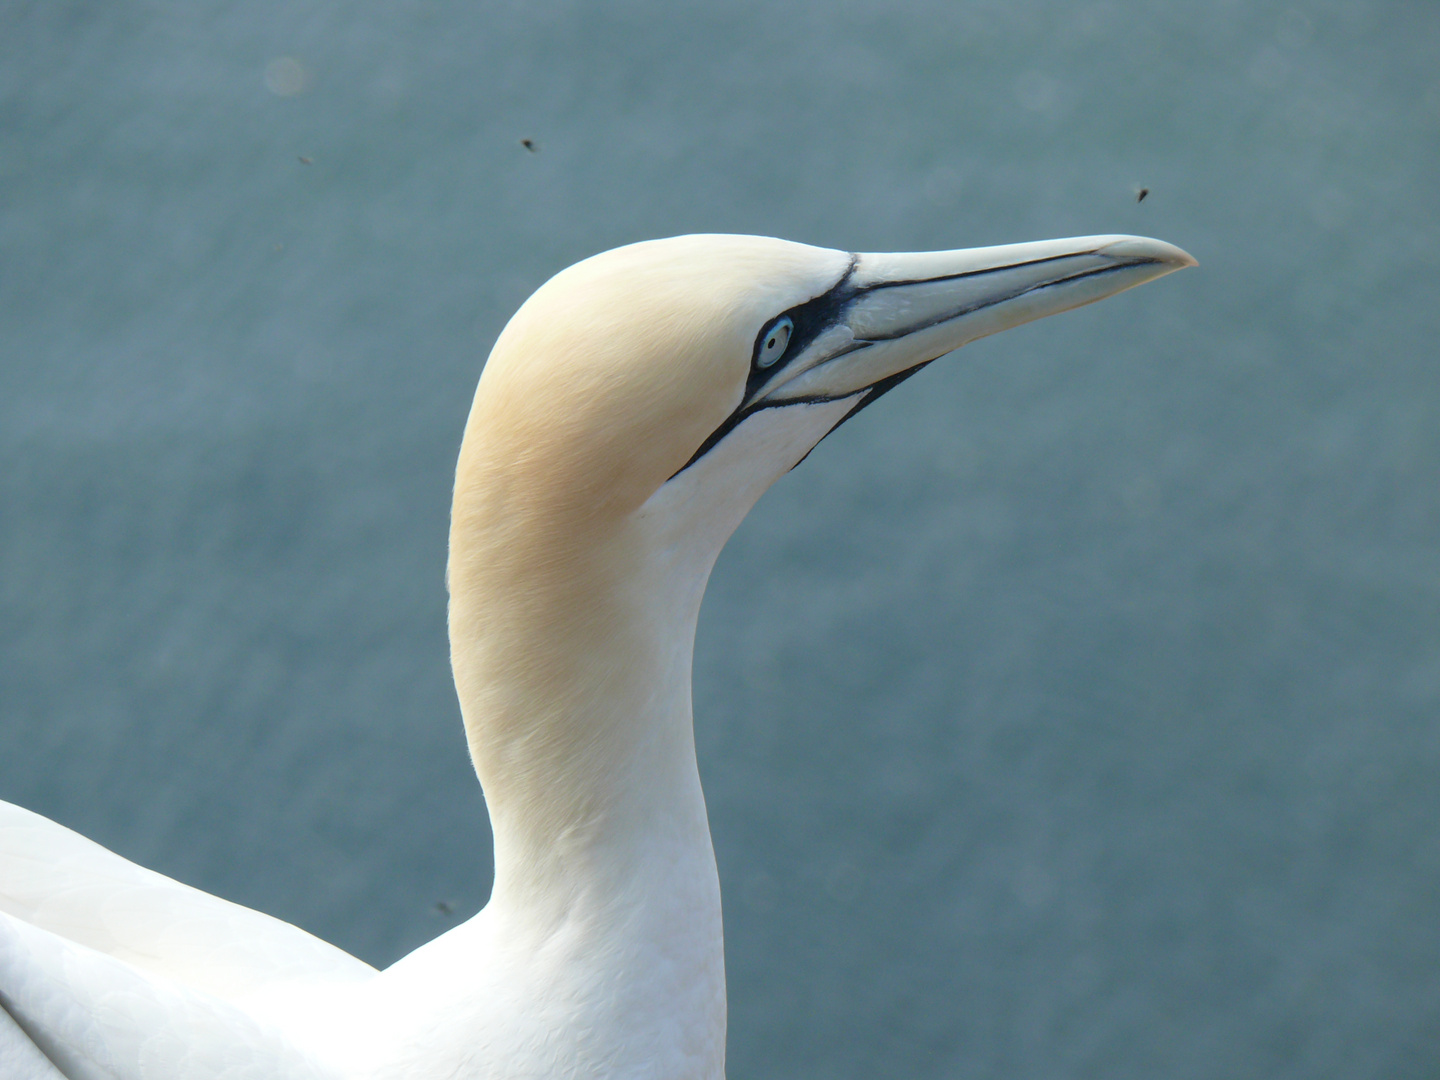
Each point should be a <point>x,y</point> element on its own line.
<point>774,342</point>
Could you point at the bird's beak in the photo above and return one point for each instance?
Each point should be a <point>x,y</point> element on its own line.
<point>893,314</point>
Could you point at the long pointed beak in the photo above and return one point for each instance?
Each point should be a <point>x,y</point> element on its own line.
<point>895,313</point>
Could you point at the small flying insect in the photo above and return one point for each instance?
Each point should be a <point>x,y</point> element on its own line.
<point>306,161</point>
<point>529,144</point>
<point>444,908</point>
<point>1140,195</point>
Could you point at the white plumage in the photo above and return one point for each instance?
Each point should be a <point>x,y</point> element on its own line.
<point>629,416</point>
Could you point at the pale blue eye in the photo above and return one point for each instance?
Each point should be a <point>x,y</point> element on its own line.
<point>775,341</point>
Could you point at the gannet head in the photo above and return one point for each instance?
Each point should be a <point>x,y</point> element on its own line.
<point>711,365</point>
<point>636,407</point>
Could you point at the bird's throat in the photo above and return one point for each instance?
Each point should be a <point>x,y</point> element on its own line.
<point>572,653</point>
<point>572,627</point>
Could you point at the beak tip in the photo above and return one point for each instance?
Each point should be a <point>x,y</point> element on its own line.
<point>1158,251</point>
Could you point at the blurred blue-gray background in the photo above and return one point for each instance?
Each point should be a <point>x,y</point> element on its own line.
<point>1073,713</point>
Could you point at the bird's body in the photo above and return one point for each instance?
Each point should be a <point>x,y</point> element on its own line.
<point>629,416</point>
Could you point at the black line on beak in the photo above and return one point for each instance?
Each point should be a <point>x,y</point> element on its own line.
<point>818,314</point>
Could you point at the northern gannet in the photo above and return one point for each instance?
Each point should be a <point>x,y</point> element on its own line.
<point>630,414</point>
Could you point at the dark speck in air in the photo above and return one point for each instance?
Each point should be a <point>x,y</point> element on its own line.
<point>307,161</point>
<point>529,144</point>
<point>1140,195</point>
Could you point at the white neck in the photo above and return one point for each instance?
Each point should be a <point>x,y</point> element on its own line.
<point>572,644</point>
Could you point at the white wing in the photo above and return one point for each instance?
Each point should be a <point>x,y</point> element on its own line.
<point>57,880</point>
<point>21,1059</point>
<point>97,1018</point>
